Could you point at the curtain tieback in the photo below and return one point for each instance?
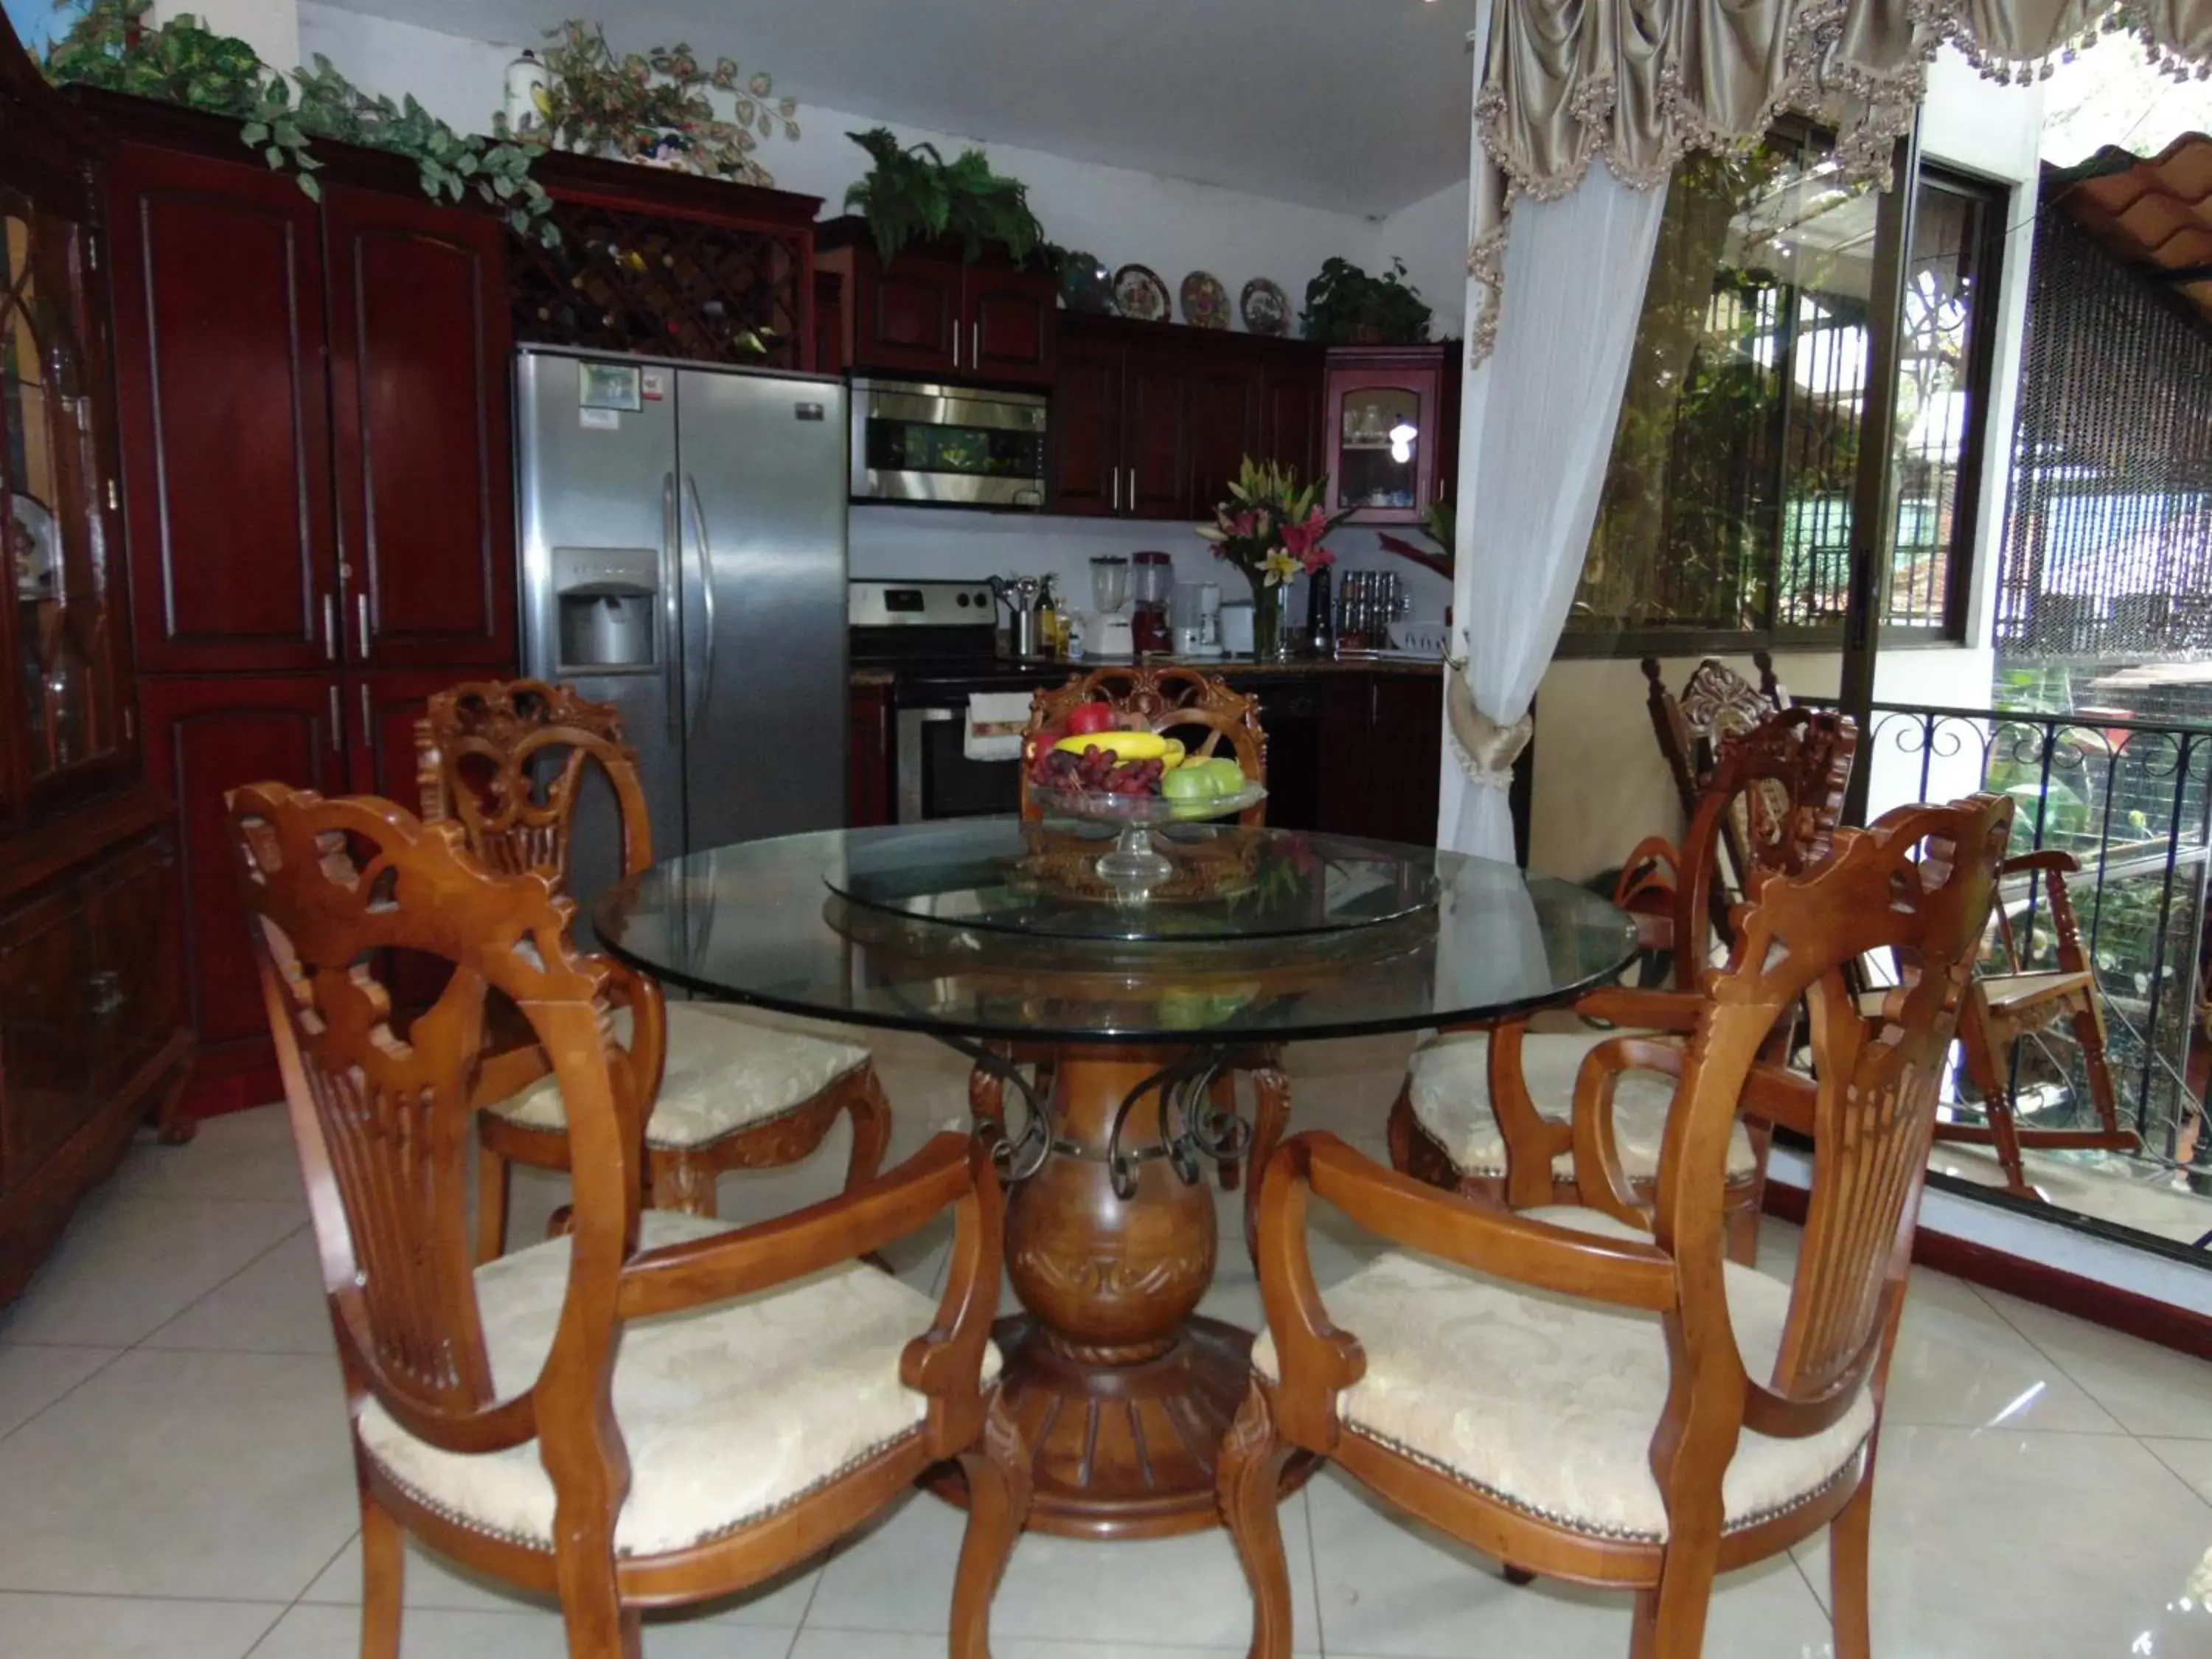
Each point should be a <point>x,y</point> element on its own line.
<point>1485,749</point>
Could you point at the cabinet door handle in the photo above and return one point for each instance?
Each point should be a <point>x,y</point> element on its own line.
<point>1117,489</point>
<point>337,742</point>
<point>367,716</point>
<point>975,344</point>
<point>360,615</point>
<point>330,627</point>
<point>956,343</point>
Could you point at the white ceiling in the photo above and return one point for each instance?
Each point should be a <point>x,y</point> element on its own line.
<point>1359,105</point>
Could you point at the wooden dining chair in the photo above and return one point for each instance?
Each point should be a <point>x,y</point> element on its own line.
<point>507,761</point>
<point>1595,1393</point>
<point>2020,1002</point>
<point>1487,1110</point>
<point>1211,717</point>
<point>653,1409</point>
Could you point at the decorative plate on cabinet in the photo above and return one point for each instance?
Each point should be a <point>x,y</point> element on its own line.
<point>1139,293</point>
<point>1085,282</point>
<point>1204,302</point>
<point>1266,308</point>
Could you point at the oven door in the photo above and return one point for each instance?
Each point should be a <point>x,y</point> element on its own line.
<point>933,778</point>
<point>947,444</point>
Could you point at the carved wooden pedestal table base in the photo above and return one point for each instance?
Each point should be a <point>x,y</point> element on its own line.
<point>1124,1393</point>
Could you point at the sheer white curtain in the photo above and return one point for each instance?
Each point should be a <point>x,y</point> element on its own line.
<point>1536,430</point>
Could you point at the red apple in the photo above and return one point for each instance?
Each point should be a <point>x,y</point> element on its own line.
<point>1086,718</point>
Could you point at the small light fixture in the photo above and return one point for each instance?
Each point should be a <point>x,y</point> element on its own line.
<point>1402,441</point>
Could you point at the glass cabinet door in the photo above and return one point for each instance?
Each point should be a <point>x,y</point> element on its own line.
<point>52,530</point>
<point>1383,441</point>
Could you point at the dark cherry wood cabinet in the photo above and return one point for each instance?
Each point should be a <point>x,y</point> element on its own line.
<point>1391,421</point>
<point>204,737</point>
<point>928,312</point>
<point>869,799</point>
<point>331,538</point>
<point>1151,421</point>
<point>1382,732</point>
<point>419,362</point>
<point>224,406</point>
<point>90,1035</point>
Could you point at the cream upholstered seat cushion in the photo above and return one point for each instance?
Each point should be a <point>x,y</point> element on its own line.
<point>724,1073</point>
<point>1449,1086</point>
<point>1549,1402</point>
<point>729,1412</point>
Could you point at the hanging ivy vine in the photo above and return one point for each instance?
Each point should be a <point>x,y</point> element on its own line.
<point>114,45</point>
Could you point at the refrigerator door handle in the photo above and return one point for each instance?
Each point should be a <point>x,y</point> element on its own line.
<point>706,602</point>
<point>672,584</point>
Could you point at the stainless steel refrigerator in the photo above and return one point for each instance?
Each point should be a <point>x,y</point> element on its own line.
<point>684,556</point>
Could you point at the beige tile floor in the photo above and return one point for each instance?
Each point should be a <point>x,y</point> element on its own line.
<point>174,1483</point>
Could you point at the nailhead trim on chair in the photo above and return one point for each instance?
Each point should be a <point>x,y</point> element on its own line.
<point>524,1541</point>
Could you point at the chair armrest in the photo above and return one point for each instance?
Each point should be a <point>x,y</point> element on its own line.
<point>2045,860</point>
<point>1651,1009</point>
<point>1483,1236</point>
<point>837,1231</point>
<point>1602,1183</point>
<point>1653,865</point>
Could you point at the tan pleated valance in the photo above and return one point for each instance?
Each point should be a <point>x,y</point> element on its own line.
<point>1641,82</point>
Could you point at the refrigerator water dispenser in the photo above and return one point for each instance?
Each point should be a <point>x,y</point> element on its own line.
<point>607,596</point>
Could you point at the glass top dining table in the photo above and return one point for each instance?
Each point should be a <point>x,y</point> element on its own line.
<point>998,928</point>
<point>1139,1029</point>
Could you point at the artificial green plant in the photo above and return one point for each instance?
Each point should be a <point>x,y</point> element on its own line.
<point>913,194</point>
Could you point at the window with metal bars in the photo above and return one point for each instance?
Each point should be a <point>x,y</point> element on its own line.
<point>1726,516</point>
<point>2108,534</point>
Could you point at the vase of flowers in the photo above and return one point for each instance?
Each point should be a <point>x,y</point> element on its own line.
<point>1272,528</point>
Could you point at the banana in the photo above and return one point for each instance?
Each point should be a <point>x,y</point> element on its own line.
<point>1123,746</point>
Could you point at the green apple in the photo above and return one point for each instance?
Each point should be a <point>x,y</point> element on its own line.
<point>1189,783</point>
<point>1228,775</point>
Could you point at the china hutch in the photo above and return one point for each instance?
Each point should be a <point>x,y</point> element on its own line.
<point>92,1032</point>
<point>1392,420</point>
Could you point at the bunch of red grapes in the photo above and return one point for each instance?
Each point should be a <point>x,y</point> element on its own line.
<point>1095,772</point>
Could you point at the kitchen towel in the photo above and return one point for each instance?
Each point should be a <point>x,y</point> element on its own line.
<point>996,720</point>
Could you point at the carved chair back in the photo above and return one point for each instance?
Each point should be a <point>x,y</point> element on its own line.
<point>1169,701</point>
<point>1770,806</point>
<point>508,758</point>
<point>1917,886</point>
<point>1717,703</point>
<point>383,1117</point>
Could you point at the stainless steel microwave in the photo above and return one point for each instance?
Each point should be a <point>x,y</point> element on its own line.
<point>954,445</point>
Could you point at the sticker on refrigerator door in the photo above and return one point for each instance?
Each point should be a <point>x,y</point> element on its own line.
<point>600,420</point>
<point>653,383</point>
<point>609,386</point>
<point>810,412</point>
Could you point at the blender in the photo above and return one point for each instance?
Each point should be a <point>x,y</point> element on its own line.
<point>1110,635</point>
<point>1153,580</point>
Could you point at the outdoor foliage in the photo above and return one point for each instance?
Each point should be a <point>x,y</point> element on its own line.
<point>914,195</point>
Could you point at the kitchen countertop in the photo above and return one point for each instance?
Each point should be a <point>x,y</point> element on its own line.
<point>1235,668</point>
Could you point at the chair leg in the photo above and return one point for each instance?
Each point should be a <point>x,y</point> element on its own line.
<point>1248,1484</point>
<point>681,1181</point>
<point>872,1126</point>
<point>2089,1032</point>
<point>997,1507</point>
<point>1271,1116</point>
<point>492,1185</point>
<point>986,1097</point>
<point>383,1580</point>
<point>1847,1573</point>
<point>1982,1066</point>
<point>1670,1620</point>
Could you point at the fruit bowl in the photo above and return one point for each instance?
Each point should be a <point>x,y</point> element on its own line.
<point>1132,864</point>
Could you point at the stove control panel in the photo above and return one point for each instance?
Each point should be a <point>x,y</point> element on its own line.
<point>872,604</point>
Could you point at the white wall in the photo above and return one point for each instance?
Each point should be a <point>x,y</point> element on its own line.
<point>1431,236</point>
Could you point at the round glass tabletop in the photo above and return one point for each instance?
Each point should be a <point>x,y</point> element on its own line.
<point>986,928</point>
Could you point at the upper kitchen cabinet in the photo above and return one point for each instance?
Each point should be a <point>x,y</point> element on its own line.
<point>418,373</point>
<point>1392,424</point>
<point>663,264</point>
<point>1151,421</point>
<point>925,313</point>
<point>315,409</point>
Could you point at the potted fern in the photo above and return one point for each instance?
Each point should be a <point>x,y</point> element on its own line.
<point>913,194</point>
